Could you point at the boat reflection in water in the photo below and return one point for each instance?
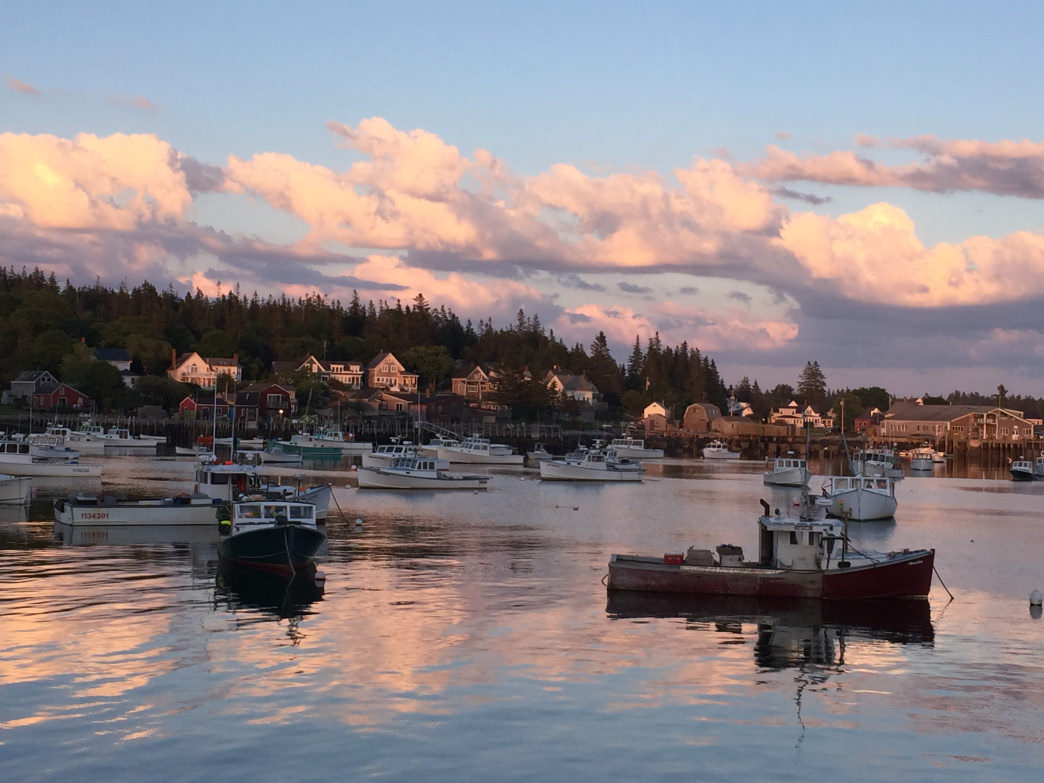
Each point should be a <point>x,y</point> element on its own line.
<point>91,535</point>
<point>285,598</point>
<point>790,632</point>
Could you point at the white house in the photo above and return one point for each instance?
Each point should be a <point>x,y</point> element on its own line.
<point>193,368</point>
<point>571,387</point>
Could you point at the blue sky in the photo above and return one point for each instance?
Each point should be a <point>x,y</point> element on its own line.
<point>773,183</point>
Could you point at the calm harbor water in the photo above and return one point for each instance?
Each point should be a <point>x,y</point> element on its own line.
<point>469,637</point>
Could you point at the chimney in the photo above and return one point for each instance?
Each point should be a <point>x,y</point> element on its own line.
<point>173,358</point>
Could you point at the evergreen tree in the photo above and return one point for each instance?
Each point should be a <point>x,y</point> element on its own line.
<point>811,386</point>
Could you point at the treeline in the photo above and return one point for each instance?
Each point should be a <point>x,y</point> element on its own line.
<point>49,326</point>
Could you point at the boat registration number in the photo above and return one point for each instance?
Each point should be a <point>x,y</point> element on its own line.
<point>95,515</point>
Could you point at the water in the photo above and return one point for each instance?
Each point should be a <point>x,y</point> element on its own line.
<point>469,637</point>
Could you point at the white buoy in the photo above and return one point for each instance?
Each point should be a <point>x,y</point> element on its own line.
<point>358,521</point>
<point>1035,598</point>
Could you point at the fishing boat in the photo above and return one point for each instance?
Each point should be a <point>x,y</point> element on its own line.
<point>387,453</point>
<point>719,449</point>
<point>121,438</point>
<point>1022,470</point>
<point>16,458</point>
<point>591,464</point>
<point>15,490</point>
<point>634,448</point>
<point>414,472</point>
<point>328,441</point>
<point>231,480</point>
<point>860,498</point>
<point>272,455</point>
<point>788,471</point>
<point>280,537</point>
<point>182,509</point>
<point>922,459</point>
<point>431,448</point>
<point>83,441</point>
<point>538,454</point>
<point>309,446</point>
<point>480,451</point>
<point>876,462</point>
<point>804,555</point>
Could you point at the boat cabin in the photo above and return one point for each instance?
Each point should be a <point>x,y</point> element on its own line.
<point>798,544</point>
<point>416,464</point>
<point>787,463</point>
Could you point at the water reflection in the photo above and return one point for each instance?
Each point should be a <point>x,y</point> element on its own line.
<point>789,633</point>
<point>267,595</point>
<point>96,535</point>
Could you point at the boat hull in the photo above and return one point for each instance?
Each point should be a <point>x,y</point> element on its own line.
<point>450,454</point>
<point>901,575</point>
<point>16,489</point>
<point>1023,475</point>
<point>277,549</point>
<point>717,453</point>
<point>378,478</point>
<point>58,469</point>
<point>862,506</point>
<point>175,511</point>
<point>554,470</point>
<point>788,477</point>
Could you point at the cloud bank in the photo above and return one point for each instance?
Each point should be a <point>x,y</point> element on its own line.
<point>724,255</point>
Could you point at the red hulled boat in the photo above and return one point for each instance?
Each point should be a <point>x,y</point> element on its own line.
<point>802,556</point>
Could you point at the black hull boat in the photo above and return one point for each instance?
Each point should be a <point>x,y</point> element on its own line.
<point>279,537</point>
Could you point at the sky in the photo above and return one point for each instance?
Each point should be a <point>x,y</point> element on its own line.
<point>771,183</point>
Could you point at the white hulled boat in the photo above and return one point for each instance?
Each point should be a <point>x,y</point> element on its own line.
<point>176,510</point>
<point>16,458</point>
<point>480,451</point>
<point>229,481</point>
<point>634,448</point>
<point>81,440</point>
<point>431,448</point>
<point>922,459</point>
<point>416,472</point>
<point>591,464</point>
<point>719,449</point>
<point>788,471</point>
<point>877,462</point>
<point>860,498</point>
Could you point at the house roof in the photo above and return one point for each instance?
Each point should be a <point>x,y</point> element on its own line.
<point>32,375</point>
<point>112,354</point>
<point>571,382</point>
<point>905,410</point>
<point>380,358</point>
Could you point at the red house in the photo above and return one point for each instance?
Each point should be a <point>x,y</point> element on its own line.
<point>202,405</point>
<point>265,402</point>
<point>49,396</point>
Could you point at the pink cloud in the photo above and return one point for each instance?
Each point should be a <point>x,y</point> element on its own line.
<point>698,327</point>
<point>1010,168</point>
<point>874,255</point>
<point>89,182</point>
<point>136,101</point>
<point>22,87</point>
